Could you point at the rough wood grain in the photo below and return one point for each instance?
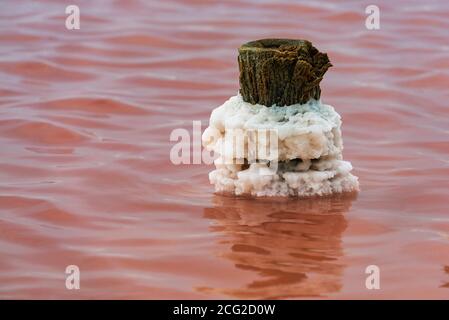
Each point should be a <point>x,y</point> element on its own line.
<point>281,71</point>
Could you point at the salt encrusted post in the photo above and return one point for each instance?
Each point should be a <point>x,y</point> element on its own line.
<point>281,71</point>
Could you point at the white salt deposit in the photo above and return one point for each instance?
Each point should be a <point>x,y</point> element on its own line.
<point>309,150</point>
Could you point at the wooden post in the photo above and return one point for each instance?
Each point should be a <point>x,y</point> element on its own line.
<point>281,72</point>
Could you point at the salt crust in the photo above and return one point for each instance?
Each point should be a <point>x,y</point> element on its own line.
<point>307,131</point>
<point>309,150</point>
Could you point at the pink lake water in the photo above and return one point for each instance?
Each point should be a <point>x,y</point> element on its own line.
<point>86,179</point>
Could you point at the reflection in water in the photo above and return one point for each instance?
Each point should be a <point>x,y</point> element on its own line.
<point>446,270</point>
<point>293,246</point>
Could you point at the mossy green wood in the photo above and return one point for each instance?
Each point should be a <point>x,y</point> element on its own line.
<point>281,71</point>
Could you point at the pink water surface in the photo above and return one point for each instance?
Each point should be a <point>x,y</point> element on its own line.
<point>86,179</point>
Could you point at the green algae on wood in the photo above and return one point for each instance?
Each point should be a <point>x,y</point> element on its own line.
<point>281,71</point>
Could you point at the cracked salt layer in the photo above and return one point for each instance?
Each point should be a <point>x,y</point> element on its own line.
<point>309,146</point>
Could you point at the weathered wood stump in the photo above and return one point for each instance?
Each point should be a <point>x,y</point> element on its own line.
<point>281,71</point>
